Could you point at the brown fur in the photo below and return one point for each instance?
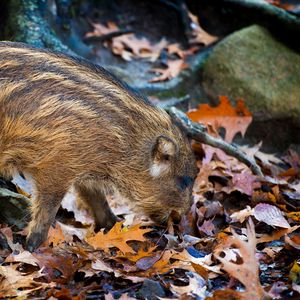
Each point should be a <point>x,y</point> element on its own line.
<point>65,121</point>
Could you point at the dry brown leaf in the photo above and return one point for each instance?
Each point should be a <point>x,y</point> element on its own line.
<point>15,284</point>
<point>55,236</point>
<point>197,286</point>
<point>173,70</point>
<point>245,182</point>
<point>200,36</point>
<point>129,46</point>
<point>276,235</point>
<point>100,29</point>
<point>247,272</point>
<point>24,257</point>
<point>162,265</point>
<point>226,295</point>
<point>241,215</point>
<point>188,262</point>
<point>118,237</point>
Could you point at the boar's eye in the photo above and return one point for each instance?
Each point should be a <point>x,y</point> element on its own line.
<point>184,182</point>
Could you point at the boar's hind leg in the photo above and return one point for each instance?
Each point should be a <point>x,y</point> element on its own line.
<point>45,206</point>
<point>96,200</point>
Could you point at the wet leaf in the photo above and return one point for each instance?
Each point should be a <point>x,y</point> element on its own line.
<point>233,119</point>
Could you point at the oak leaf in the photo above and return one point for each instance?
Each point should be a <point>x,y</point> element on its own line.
<point>233,119</point>
<point>199,35</point>
<point>55,236</point>
<point>197,286</point>
<point>24,257</point>
<point>247,272</point>
<point>15,284</point>
<point>118,237</point>
<point>276,235</point>
<point>100,29</point>
<point>173,70</point>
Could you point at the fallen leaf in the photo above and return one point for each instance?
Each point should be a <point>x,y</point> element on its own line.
<point>247,272</point>
<point>270,215</point>
<point>118,237</point>
<point>15,284</point>
<point>197,286</point>
<point>100,29</point>
<point>242,215</point>
<point>245,182</point>
<point>294,242</point>
<point>233,119</point>
<point>172,71</point>
<point>276,235</point>
<point>24,257</point>
<point>226,295</point>
<point>207,227</point>
<point>99,265</point>
<point>200,36</point>
<point>146,263</point>
<point>139,47</point>
<point>55,236</point>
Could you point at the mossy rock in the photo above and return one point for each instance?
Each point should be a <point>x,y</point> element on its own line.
<point>251,64</point>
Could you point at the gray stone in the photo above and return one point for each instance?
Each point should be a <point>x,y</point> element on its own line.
<point>251,64</point>
<point>151,290</point>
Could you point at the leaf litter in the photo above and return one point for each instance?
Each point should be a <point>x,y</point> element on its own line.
<point>240,239</point>
<point>129,46</point>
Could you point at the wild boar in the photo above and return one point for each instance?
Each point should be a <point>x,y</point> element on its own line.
<point>67,122</point>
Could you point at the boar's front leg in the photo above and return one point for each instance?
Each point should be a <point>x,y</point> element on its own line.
<point>48,197</point>
<point>92,195</point>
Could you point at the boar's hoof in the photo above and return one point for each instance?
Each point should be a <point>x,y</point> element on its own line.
<point>34,240</point>
<point>107,224</point>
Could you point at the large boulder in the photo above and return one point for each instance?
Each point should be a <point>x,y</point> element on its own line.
<point>253,65</point>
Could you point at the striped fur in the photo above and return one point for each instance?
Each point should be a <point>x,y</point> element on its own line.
<point>68,122</point>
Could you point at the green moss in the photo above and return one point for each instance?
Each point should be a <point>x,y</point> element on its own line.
<point>26,24</point>
<point>252,65</point>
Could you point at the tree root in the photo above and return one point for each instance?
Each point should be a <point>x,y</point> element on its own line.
<point>281,23</point>
<point>27,23</point>
<point>199,133</point>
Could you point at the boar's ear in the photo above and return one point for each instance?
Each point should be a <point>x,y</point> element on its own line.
<point>163,150</point>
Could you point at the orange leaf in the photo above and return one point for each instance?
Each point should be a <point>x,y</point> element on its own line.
<point>55,236</point>
<point>140,254</point>
<point>118,237</point>
<point>233,119</point>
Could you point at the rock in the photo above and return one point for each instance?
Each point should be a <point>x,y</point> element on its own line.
<point>251,64</point>
<point>151,290</point>
<point>14,209</point>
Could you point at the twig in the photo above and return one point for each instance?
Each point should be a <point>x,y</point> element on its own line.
<point>167,104</point>
<point>280,22</point>
<point>198,133</point>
